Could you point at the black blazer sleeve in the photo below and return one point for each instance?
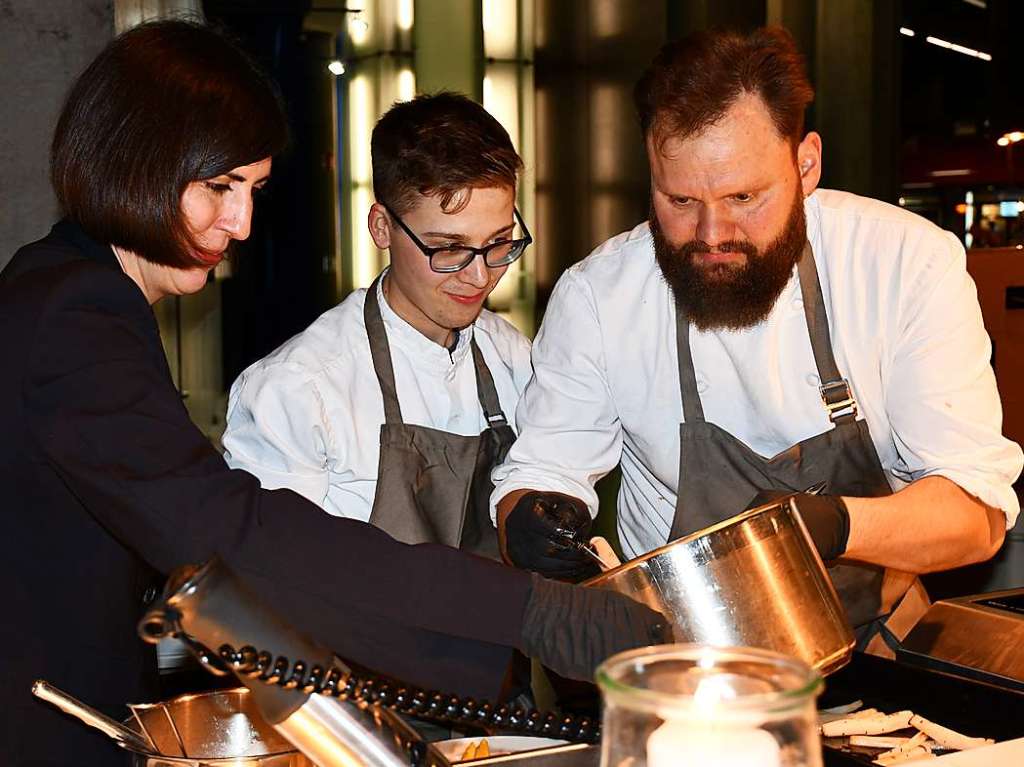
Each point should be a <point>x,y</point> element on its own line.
<point>107,418</point>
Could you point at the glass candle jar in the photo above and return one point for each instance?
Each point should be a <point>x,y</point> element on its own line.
<point>680,705</point>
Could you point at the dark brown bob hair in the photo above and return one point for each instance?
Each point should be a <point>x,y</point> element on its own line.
<point>440,144</point>
<point>164,104</point>
<point>692,82</point>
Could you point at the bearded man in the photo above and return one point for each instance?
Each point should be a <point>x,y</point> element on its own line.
<point>759,337</point>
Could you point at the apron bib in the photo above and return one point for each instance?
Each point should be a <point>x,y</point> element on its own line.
<point>434,486</point>
<point>719,474</point>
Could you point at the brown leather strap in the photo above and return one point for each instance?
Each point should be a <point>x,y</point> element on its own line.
<point>380,352</point>
<point>485,389</point>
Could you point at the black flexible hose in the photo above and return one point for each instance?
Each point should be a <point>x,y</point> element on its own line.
<point>426,704</point>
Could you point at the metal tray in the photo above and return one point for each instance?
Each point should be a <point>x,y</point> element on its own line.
<point>971,707</point>
<point>978,637</point>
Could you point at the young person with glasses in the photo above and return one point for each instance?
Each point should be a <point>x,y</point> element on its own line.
<point>394,406</point>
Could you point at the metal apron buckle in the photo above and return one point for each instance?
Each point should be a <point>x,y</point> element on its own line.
<point>838,399</point>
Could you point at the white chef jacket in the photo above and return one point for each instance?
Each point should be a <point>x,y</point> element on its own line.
<point>906,331</point>
<point>308,416</point>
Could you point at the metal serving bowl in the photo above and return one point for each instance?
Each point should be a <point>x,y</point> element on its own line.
<point>754,580</point>
<point>216,728</point>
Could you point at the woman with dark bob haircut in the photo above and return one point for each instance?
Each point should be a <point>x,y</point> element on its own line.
<point>107,484</point>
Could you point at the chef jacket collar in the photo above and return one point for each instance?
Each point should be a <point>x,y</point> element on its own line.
<point>430,355</point>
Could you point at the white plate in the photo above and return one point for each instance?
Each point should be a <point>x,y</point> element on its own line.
<point>452,750</point>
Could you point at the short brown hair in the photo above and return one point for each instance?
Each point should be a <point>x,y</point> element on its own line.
<point>692,82</point>
<point>164,104</point>
<point>440,144</point>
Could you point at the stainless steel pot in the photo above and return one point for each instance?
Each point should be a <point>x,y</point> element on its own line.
<point>754,580</point>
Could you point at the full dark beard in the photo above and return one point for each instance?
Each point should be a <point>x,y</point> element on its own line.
<point>725,296</point>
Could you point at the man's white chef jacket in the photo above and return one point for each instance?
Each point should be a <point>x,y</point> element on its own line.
<point>308,416</point>
<point>906,331</point>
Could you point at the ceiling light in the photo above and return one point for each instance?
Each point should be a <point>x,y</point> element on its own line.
<point>906,31</point>
<point>336,68</point>
<point>959,48</point>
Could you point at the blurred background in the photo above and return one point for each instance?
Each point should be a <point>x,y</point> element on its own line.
<point>919,103</point>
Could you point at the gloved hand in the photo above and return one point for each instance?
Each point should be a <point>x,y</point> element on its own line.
<point>543,532</point>
<point>572,629</point>
<point>825,516</point>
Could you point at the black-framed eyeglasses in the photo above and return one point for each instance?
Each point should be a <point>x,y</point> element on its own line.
<point>454,258</point>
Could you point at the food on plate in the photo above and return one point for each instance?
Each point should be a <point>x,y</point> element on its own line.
<point>875,724</point>
<point>878,741</point>
<point>916,747</point>
<point>865,729</point>
<point>946,737</point>
<point>476,751</point>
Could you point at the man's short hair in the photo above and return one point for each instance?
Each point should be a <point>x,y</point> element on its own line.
<point>692,82</point>
<point>439,145</point>
<point>164,104</point>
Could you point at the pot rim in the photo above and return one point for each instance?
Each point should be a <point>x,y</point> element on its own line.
<point>734,521</point>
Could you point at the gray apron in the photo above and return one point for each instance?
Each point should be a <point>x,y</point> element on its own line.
<point>719,475</point>
<point>434,486</point>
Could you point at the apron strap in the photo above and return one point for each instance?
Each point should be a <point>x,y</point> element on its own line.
<point>693,411</point>
<point>485,389</point>
<point>380,351</point>
<point>835,390</point>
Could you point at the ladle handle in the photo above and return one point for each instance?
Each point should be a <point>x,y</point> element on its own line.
<point>125,737</point>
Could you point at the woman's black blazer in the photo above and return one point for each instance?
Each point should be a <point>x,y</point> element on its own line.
<point>106,485</point>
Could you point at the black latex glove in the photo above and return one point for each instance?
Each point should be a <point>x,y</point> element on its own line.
<point>825,516</point>
<point>572,629</point>
<point>543,533</point>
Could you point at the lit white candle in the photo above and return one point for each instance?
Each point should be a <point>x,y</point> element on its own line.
<point>680,744</point>
<point>702,738</point>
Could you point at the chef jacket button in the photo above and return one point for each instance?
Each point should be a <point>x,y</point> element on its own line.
<point>149,595</point>
<point>798,303</point>
<point>813,380</point>
<point>702,385</point>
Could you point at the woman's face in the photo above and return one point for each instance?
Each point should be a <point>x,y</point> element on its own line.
<point>217,210</point>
